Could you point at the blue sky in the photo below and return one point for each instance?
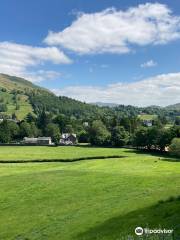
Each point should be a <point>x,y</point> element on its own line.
<point>110,51</point>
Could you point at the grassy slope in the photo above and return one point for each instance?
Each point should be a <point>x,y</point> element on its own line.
<point>23,102</point>
<point>100,199</point>
<point>41,98</point>
<point>13,83</point>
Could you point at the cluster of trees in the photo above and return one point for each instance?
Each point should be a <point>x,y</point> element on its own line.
<point>99,135</point>
<point>41,100</point>
<point>107,130</point>
<point>11,131</point>
<point>106,126</point>
<point>45,124</point>
<point>156,137</point>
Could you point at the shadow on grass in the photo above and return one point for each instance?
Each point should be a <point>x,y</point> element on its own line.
<point>162,156</point>
<point>69,160</point>
<point>93,146</point>
<point>163,215</point>
<point>172,159</point>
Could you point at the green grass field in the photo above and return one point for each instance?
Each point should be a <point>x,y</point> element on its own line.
<point>101,199</point>
<point>147,117</point>
<point>26,153</point>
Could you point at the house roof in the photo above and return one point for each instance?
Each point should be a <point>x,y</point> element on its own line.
<point>44,138</point>
<point>66,135</point>
<point>37,139</point>
<point>30,139</point>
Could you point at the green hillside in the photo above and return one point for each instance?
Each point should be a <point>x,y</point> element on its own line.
<point>13,96</point>
<point>20,96</point>
<point>174,107</point>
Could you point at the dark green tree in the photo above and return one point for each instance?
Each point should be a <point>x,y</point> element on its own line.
<point>3,107</point>
<point>52,130</point>
<point>83,137</point>
<point>31,118</point>
<point>14,130</point>
<point>62,121</point>
<point>43,120</point>
<point>165,138</point>
<point>25,130</point>
<point>140,137</point>
<point>98,133</point>
<point>120,136</point>
<point>5,134</point>
<point>174,148</point>
<point>69,128</point>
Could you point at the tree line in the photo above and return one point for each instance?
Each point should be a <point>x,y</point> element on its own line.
<point>105,131</point>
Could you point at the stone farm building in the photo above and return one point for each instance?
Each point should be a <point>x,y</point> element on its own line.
<point>38,141</point>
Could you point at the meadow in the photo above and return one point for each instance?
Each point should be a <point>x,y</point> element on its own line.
<point>25,153</point>
<point>102,199</point>
<point>147,117</point>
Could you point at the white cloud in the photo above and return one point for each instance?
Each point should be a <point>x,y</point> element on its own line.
<point>116,31</point>
<point>41,75</point>
<point>149,64</point>
<point>16,59</point>
<point>158,90</point>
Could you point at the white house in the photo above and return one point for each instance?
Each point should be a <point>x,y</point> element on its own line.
<point>148,123</point>
<point>85,124</point>
<point>68,139</point>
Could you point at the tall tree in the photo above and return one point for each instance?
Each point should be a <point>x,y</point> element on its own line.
<point>140,137</point>
<point>52,130</point>
<point>99,135</point>
<point>5,134</point>
<point>25,130</point>
<point>120,136</point>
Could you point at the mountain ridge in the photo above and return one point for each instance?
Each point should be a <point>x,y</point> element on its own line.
<point>15,91</point>
<point>20,97</point>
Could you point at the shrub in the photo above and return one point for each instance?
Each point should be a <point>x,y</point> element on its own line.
<point>174,148</point>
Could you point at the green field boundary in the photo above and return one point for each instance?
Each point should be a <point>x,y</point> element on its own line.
<point>61,160</point>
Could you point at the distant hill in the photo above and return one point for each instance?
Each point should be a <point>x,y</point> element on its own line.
<point>102,104</point>
<point>174,107</point>
<point>20,96</point>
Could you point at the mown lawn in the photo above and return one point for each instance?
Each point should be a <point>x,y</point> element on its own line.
<point>88,200</point>
<point>63,152</point>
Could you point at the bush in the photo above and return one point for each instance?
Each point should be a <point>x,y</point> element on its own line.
<point>3,90</point>
<point>174,148</point>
